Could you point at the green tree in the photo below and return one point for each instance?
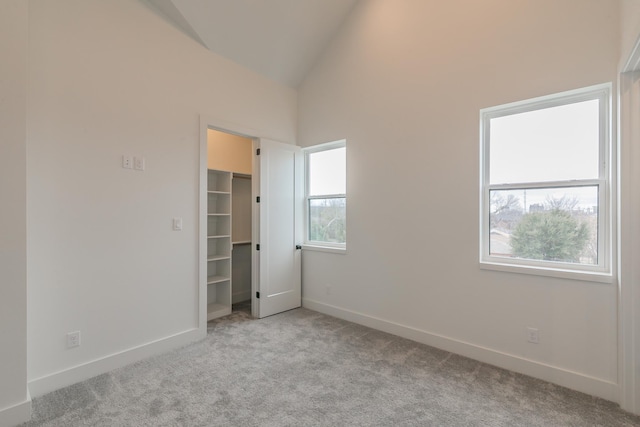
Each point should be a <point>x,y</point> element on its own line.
<point>552,235</point>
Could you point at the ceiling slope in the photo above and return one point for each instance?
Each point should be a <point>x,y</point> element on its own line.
<point>280,39</point>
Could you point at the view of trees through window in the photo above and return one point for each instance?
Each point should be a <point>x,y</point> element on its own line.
<point>326,194</point>
<point>555,224</point>
<point>545,181</point>
<point>328,220</point>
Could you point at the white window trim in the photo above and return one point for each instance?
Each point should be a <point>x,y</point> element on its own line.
<point>328,247</point>
<point>599,273</point>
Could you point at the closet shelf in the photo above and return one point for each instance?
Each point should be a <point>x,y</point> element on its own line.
<point>217,279</point>
<point>228,215</point>
<point>218,243</point>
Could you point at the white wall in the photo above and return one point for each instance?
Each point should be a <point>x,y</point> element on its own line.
<point>109,78</point>
<point>14,401</point>
<point>404,83</point>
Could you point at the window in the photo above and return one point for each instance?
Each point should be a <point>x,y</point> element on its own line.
<point>325,198</point>
<point>545,185</point>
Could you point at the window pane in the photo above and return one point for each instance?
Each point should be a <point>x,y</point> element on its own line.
<point>328,220</point>
<point>328,172</point>
<point>551,144</point>
<point>558,224</point>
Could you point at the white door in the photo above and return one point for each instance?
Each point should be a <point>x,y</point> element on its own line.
<point>277,228</point>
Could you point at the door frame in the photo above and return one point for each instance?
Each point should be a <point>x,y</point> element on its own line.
<point>207,122</point>
<point>629,233</point>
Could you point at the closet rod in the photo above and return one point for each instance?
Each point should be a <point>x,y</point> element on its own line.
<point>241,175</point>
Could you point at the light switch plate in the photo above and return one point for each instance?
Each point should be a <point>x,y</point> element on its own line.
<point>177,224</point>
<point>138,163</point>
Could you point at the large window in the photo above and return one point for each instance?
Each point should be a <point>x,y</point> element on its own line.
<point>545,183</point>
<point>326,194</point>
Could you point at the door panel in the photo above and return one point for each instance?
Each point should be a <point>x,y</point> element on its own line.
<point>280,216</point>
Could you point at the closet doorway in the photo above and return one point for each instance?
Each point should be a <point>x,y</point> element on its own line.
<point>229,170</point>
<point>251,200</point>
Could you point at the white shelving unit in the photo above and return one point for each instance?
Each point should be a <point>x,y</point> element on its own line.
<point>218,243</point>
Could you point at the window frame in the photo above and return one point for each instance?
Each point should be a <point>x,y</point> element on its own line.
<point>318,245</point>
<point>602,272</point>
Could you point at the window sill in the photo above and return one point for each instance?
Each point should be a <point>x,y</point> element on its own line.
<point>327,249</point>
<point>586,276</point>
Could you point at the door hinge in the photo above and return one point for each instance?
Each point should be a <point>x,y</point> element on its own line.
<point>258,152</point>
<point>258,199</point>
<point>257,247</point>
<point>258,295</point>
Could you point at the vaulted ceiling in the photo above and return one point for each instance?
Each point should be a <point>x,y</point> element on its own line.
<point>280,39</point>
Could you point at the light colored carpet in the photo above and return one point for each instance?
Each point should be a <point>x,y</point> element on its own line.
<point>302,368</point>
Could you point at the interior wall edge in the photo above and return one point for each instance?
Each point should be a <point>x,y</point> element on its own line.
<point>629,234</point>
<point>84,371</point>
<point>574,380</point>
<point>16,414</point>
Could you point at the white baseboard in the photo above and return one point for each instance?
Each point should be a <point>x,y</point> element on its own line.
<point>573,380</point>
<point>66,377</point>
<point>16,414</point>
<point>241,296</point>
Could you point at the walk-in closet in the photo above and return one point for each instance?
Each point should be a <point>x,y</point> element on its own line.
<point>229,171</point>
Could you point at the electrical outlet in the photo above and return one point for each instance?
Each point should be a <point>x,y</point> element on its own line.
<point>127,162</point>
<point>73,339</point>
<point>533,335</point>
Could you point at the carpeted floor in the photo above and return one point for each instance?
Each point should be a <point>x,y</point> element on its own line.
<point>302,368</point>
